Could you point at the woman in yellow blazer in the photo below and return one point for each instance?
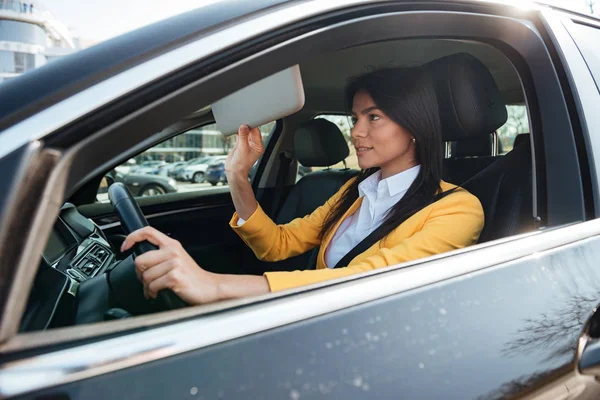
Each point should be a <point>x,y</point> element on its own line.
<point>397,135</point>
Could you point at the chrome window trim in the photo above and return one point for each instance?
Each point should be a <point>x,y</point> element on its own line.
<point>81,362</point>
<point>82,103</point>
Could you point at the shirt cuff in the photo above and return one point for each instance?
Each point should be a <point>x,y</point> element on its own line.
<point>241,221</point>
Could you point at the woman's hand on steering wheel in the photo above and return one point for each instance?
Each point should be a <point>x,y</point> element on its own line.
<point>171,267</point>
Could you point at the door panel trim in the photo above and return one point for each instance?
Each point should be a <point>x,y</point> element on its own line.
<point>166,213</point>
<point>249,316</point>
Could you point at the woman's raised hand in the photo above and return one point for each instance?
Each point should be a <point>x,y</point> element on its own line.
<point>248,148</point>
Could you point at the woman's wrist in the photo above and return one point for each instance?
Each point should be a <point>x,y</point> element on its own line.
<point>238,286</point>
<point>236,175</point>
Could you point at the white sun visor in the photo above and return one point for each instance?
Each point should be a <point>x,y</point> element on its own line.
<point>267,100</point>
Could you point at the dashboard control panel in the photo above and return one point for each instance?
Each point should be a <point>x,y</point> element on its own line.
<point>93,256</point>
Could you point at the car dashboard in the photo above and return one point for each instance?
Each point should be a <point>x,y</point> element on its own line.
<point>76,251</point>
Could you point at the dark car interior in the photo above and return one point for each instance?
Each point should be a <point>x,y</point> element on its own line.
<point>83,278</point>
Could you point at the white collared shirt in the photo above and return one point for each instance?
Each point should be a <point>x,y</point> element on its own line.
<point>378,197</point>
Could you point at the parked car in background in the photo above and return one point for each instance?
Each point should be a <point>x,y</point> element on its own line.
<point>195,172</point>
<point>140,185</point>
<point>177,172</point>
<point>165,170</point>
<point>126,167</point>
<point>146,167</point>
<point>215,173</point>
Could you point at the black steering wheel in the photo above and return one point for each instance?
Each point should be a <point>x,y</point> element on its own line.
<point>132,219</point>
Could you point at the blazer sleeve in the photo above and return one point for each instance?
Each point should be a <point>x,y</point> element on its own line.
<point>454,223</point>
<point>272,242</point>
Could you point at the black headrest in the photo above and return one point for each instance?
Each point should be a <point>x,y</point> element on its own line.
<point>320,143</point>
<point>523,137</point>
<point>470,102</point>
<point>472,147</point>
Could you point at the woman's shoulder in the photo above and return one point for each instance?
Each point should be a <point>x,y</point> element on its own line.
<point>458,195</point>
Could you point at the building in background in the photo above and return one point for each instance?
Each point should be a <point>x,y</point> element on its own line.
<point>30,37</point>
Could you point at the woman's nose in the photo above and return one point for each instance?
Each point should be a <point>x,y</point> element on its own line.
<point>358,131</point>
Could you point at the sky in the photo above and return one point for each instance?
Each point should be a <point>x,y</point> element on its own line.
<point>102,19</point>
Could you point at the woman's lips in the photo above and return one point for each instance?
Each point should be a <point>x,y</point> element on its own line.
<point>362,150</point>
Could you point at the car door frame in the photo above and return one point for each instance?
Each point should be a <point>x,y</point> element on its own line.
<point>562,123</point>
<point>585,96</point>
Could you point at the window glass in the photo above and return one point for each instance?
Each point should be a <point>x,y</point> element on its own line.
<point>343,122</point>
<point>516,124</point>
<point>7,62</point>
<point>191,161</point>
<point>587,39</point>
<point>22,32</point>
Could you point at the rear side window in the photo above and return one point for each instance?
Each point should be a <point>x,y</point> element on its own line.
<point>516,124</point>
<point>587,39</point>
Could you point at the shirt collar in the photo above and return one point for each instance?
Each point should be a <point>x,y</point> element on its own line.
<point>391,186</point>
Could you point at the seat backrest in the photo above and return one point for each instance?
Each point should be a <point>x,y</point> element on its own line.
<point>318,143</point>
<point>467,158</point>
<point>471,105</point>
<point>505,191</point>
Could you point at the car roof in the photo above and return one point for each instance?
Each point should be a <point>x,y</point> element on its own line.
<point>39,89</point>
<point>29,93</point>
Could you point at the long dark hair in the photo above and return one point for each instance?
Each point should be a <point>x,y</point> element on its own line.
<point>408,97</point>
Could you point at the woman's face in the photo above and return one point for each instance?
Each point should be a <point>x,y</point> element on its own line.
<point>379,141</point>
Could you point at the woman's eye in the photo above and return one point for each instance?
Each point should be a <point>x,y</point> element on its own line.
<point>353,120</point>
<point>374,117</point>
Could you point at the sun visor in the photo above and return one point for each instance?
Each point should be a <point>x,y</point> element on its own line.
<point>267,100</point>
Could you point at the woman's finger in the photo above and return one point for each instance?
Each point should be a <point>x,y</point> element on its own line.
<point>255,139</point>
<point>164,282</point>
<point>157,271</point>
<point>242,138</point>
<point>152,258</point>
<point>146,233</point>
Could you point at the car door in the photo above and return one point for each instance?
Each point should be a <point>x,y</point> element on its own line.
<point>503,319</point>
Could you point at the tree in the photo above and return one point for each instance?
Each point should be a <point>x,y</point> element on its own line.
<point>227,143</point>
<point>516,123</point>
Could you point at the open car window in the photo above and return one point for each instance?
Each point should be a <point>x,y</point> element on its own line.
<point>191,161</point>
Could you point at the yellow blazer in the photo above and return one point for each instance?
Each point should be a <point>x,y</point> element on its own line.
<point>451,223</point>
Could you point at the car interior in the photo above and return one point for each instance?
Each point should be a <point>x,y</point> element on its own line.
<point>83,278</point>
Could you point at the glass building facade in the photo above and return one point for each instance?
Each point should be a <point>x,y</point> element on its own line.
<point>29,37</point>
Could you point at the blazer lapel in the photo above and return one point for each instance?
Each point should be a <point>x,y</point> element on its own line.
<point>326,240</point>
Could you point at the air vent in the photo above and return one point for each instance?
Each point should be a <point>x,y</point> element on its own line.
<point>99,253</point>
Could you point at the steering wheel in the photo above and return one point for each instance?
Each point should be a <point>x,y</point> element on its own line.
<point>132,219</point>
